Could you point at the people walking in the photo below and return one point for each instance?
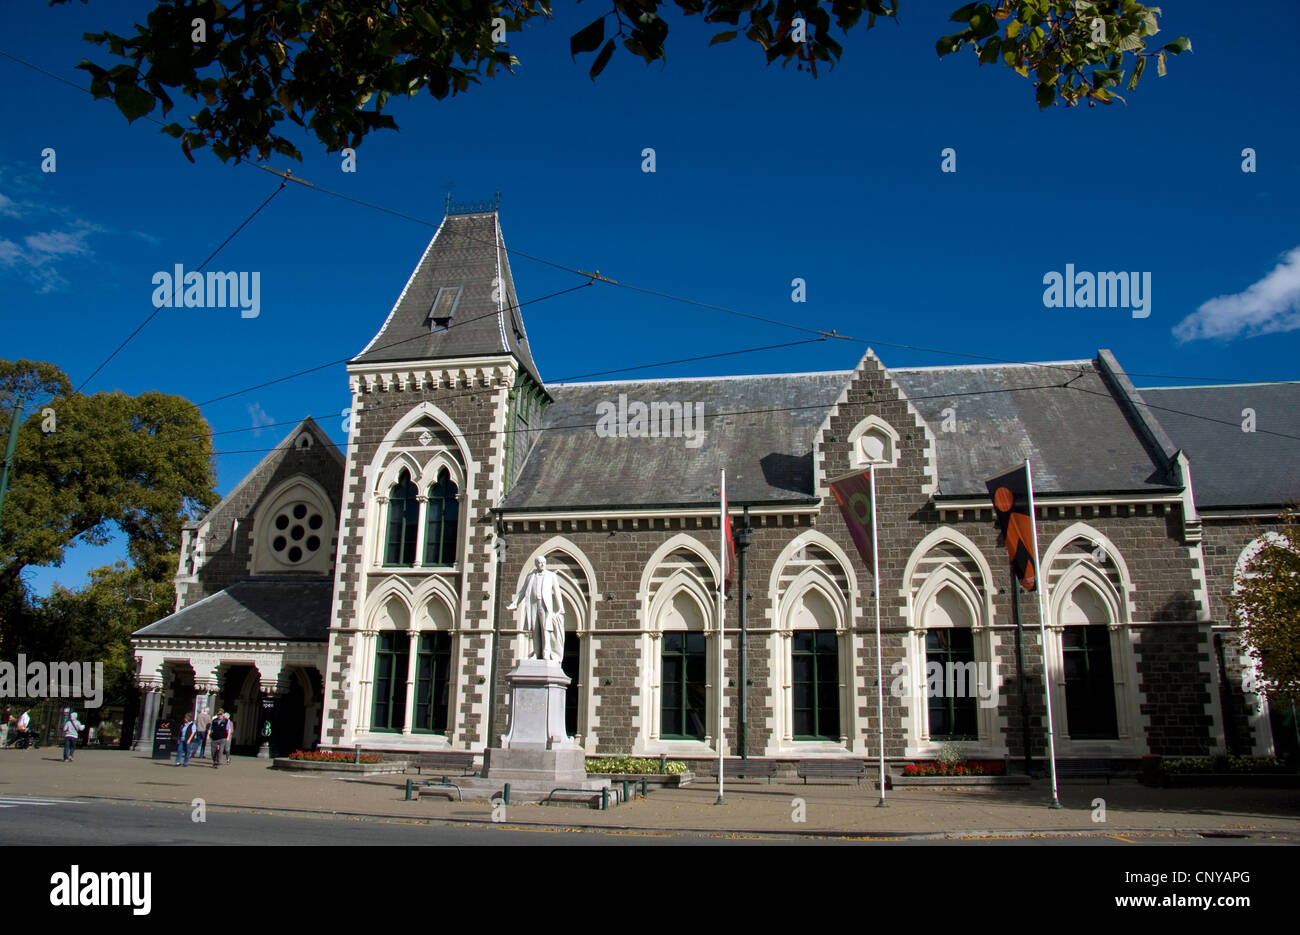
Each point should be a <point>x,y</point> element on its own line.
<point>185,741</point>
<point>219,734</point>
<point>72,729</point>
<point>202,722</point>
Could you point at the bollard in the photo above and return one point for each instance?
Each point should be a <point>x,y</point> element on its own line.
<point>358,759</point>
<point>408,790</point>
<point>645,788</point>
<point>505,798</point>
<point>626,790</point>
<point>604,799</point>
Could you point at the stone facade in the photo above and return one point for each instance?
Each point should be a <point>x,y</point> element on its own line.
<point>447,445</point>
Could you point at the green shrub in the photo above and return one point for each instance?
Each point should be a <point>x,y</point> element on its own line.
<point>1222,764</point>
<point>950,756</point>
<point>633,764</point>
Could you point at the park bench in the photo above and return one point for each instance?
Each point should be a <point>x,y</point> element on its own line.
<point>1085,769</point>
<point>749,769</point>
<point>443,763</point>
<point>414,787</point>
<point>832,769</point>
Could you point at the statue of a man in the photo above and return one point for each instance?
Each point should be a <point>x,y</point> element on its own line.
<point>543,611</point>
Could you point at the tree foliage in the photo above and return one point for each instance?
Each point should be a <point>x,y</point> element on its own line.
<point>1267,605</point>
<point>331,66</point>
<point>84,464</point>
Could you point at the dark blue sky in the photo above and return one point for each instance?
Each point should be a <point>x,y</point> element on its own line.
<point>763,175</point>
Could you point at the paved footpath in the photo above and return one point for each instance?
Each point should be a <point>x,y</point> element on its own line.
<point>1132,811</point>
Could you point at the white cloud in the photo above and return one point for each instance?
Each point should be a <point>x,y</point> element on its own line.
<point>1265,307</point>
<point>260,418</point>
<point>48,245</point>
<point>8,207</point>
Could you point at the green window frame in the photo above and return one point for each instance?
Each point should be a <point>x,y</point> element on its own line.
<point>403,522</point>
<point>1089,683</point>
<point>683,681</point>
<point>951,718</point>
<point>815,685</point>
<point>392,661</point>
<point>433,683</point>
<point>442,521</point>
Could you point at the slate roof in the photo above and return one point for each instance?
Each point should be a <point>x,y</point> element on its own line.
<point>294,609</point>
<point>468,251</point>
<point>1079,438</point>
<point>767,454</point>
<point>1232,468</point>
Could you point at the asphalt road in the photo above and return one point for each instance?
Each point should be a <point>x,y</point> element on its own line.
<point>26,820</point>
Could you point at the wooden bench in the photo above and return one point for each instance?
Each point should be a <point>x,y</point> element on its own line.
<point>443,763</point>
<point>832,769</point>
<point>1084,769</point>
<point>749,769</point>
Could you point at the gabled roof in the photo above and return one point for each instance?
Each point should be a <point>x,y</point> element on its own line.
<point>759,428</point>
<point>294,609</point>
<point>1232,467</point>
<point>464,262</point>
<point>275,454</point>
<point>1064,416</point>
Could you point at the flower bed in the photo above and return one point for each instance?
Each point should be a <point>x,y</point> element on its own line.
<point>333,756</point>
<point>975,768</point>
<point>1192,765</point>
<point>633,765</point>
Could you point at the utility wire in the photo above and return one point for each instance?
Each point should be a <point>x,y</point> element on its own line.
<point>177,287</point>
<point>287,177</point>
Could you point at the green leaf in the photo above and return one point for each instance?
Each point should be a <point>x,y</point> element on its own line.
<point>1046,95</point>
<point>133,101</point>
<point>1160,64</point>
<point>723,37</point>
<point>587,39</point>
<point>1179,46</point>
<point>1013,28</point>
<point>990,51</point>
<point>965,13</point>
<point>602,59</point>
<point>423,18</point>
<point>1137,72</point>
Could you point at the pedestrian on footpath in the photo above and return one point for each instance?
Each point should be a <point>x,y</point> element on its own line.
<point>4,725</point>
<point>219,733</point>
<point>72,729</point>
<point>186,739</point>
<point>201,725</point>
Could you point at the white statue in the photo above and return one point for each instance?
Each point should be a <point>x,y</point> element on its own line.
<point>543,611</point>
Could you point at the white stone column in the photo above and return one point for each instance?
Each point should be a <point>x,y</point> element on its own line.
<point>412,657</point>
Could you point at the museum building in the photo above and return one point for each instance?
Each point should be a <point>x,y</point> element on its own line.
<point>357,599</point>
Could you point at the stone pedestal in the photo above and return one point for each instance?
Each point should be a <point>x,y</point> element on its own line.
<point>536,756</point>
<point>536,747</point>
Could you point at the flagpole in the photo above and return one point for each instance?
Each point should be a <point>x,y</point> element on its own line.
<point>722,624</point>
<point>880,666</point>
<point>1039,580</point>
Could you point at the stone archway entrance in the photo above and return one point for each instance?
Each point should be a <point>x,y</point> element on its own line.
<point>296,723</point>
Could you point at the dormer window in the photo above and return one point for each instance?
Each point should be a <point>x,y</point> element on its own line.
<point>444,307</point>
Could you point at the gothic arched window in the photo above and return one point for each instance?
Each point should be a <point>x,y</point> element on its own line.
<point>403,521</point>
<point>440,527</point>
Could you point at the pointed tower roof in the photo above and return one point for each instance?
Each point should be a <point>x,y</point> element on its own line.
<point>459,302</point>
